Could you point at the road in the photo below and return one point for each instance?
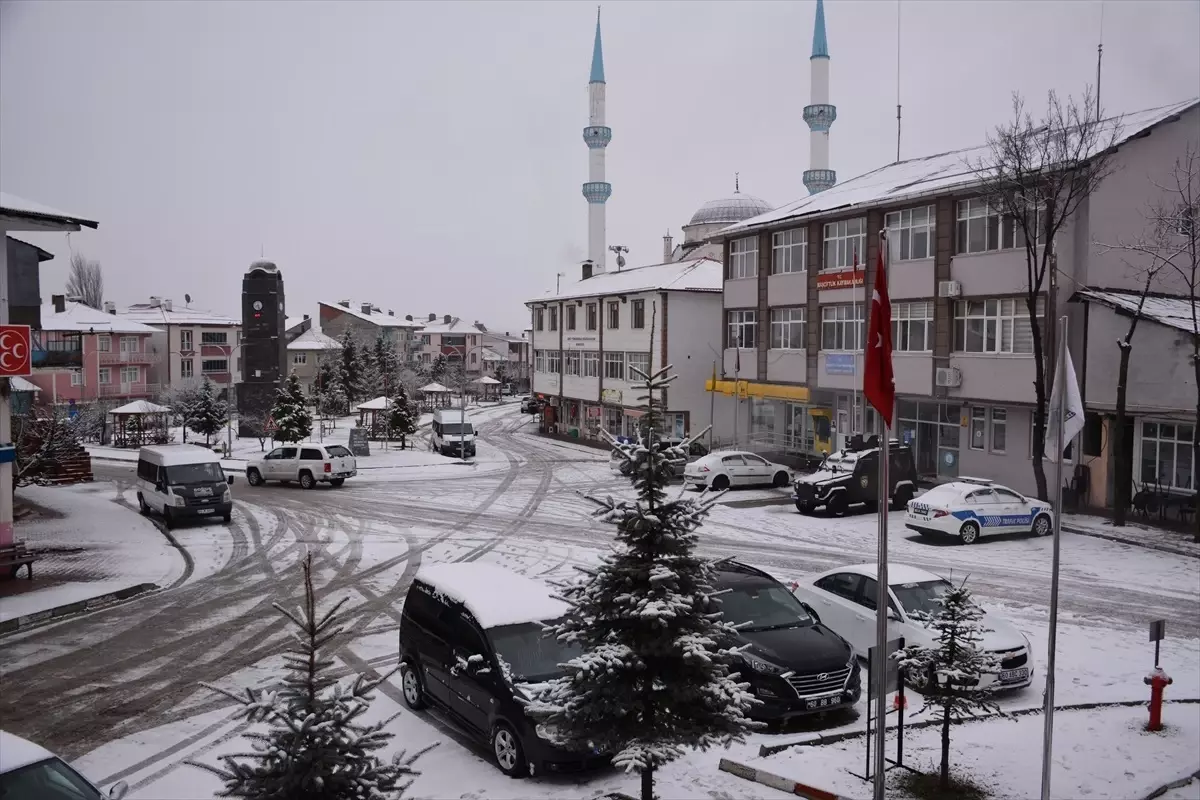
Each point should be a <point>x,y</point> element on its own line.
<point>77,684</point>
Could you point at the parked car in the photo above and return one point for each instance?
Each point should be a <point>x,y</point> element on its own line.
<point>678,463</point>
<point>308,464</point>
<point>726,468</point>
<point>472,644</point>
<point>970,508</point>
<point>845,598</point>
<point>181,481</point>
<point>532,405</point>
<point>31,772</point>
<point>851,477</point>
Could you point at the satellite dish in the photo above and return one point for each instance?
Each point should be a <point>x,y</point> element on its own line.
<point>187,298</point>
<point>620,261</point>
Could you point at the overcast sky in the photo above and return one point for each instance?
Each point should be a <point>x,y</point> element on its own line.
<point>428,156</point>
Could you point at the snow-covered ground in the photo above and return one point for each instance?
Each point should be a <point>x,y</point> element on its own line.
<point>1135,532</point>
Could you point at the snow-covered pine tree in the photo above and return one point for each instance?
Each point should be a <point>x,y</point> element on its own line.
<point>293,422</point>
<point>437,369</point>
<point>947,674</point>
<point>657,674</point>
<point>330,394</point>
<point>370,379</point>
<point>388,364</point>
<point>206,413</point>
<point>402,417</point>
<point>315,747</point>
<point>351,368</point>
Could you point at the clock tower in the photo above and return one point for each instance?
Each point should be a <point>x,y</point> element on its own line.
<point>263,345</point>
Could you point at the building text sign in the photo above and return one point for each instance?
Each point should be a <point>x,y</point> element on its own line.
<point>15,356</point>
<point>582,342</point>
<point>843,279</point>
<point>839,364</point>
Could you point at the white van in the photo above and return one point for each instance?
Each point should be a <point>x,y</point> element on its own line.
<point>183,481</point>
<point>453,434</point>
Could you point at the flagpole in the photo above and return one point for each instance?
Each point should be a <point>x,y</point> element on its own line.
<point>1059,391</point>
<point>879,670</point>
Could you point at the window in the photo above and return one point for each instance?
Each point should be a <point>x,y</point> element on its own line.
<point>1068,448</point>
<point>743,329</point>
<point>787,328</point>
<point>104,343</point>
<point>842,327</point>
<point>76,377</point>
<point>539,318</point>
<point>845,243</point>
<point>789,251</point>
<point>129,344</point>
<point>553,318</point>
<point>999,429</point>
<point>639,314</point>
<point>130,375</point>
<point>842,584</point>
<point>185,340</point>
<point>743,258</point>
<point>912,327</point>
<point>539,360</point>
<point>910,233</point>
<point>553,361</point>
<point>978,428</point>
<point>982,229</point>
<point>1167,455</point>
<point>614,315</point>
<point>591,316</point>
<point>105,375</point>
<point>185,368</point>
<point>571,362</point>
<point>614,366</point>
<point>214,337</point>
<point>570,318</point>
<point>994,326</point>
<point>640,361</point>
<point>210,365</point>
<point>590,364</point>
<point>299,358</point>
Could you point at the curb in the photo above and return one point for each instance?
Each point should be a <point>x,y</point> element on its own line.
<point>833,738</point>
<point>1162,548</point>
<point>79,606</point>
<point>777,781</point>
<point>1175,784</point>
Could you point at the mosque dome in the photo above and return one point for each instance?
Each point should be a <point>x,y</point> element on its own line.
<point>728,210</point>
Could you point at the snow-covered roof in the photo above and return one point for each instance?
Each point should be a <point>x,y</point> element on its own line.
<point>313,339</point>
<point>19,384</point>
<point>140,407</point>
<point>291,322</point>
<point>380,403</point>
<point>434,388</point>
<point>377,316</point>
<point>695,275</point>
<point>13,206</point>
<point>488,354</point>
<point>160,316</point>
<point>16,752</point>
<point>487,380</point>
<point>926,176</point>
<point>494,595</point>
<point>455,325</point>
<point>170,455</point>
<point>1170,310</point>
<point>78,318</point>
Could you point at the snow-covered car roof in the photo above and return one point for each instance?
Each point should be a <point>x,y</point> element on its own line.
<point>16,752</point>
<point>170,455</point>
<point>494,595</point>
<point>897,573</point>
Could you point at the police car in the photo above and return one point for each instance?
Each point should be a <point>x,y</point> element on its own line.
<point>973,507</point>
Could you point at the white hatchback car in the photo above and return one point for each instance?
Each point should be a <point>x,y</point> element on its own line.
<point>308,464</point>
<point>973,507</point>
<point>31,771</point>
<point>844,598</point>
<point>726,468</point>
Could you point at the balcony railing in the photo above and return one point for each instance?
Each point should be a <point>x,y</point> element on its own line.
<point>127,389</point>
<point>127,357</point>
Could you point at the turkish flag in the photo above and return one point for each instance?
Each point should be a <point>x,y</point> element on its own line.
<point>879,384</point>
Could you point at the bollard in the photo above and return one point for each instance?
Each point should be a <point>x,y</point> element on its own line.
<point>1157,681</point>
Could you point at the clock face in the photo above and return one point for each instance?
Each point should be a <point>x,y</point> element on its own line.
<point>258,305</point>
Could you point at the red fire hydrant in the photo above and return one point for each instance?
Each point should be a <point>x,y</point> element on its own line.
<point>1157,681</point>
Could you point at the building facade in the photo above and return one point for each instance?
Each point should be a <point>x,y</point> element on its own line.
<point>189,344</point>
<point>305,353</point>
<point>486,353</point>
<point>367,322</point>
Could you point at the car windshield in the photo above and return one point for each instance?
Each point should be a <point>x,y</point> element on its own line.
<point>763,607</point>
<point>194,473</point>
<point>337,451</point>
<point>455,428</point>
<point>921,597</point>
<point>527,654</point>
<point>46,780</point>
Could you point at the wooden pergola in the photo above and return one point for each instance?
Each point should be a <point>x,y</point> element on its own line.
<point>139,423</point>
<point>373,416</point>
<point>434,396</point>
<point>489,387</point>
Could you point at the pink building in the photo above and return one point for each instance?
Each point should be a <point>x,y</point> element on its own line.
<point>85,355</point>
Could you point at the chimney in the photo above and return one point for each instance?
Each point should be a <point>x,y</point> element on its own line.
<point>391,313</point>
<point>432,317</point>
<point>408,317</point>
<point>587,270</point>
<point>60,302</point>
<point>110,307</point>
<point>166,304</point>
<point>154,301</point>
<point>446,319</point>
<point>344,303</point>
<point>366,308</point>
<point>668,247</point>
<point>306,316</point>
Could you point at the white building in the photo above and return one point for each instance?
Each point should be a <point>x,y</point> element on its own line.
<point>192,344</point>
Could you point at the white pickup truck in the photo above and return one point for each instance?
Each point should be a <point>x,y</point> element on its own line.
<point>308,464</point>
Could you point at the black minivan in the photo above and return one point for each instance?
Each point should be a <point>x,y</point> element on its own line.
<point>472,643</point>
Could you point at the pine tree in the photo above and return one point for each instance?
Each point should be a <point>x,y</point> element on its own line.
<point>206,414</point>
<point>947,674</point>
<point>388,364</point>
<point>657,672</point>
<point>293,421</point>
<point>315,746</point>
<point>370,380</point>
<point>351,368</point>
<point>330,394</point>
<point>437,369</point>
<point>402,417</point>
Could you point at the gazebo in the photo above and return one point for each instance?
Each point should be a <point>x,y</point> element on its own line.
<point>435,396</point>
<point>489,387</point>
<point>372,415</point>
<point>140,422</point>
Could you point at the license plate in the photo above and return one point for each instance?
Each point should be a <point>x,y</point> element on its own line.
<point>1010,675</point>
<point>917,508</point>
<point>822,702</point>
<point>205,510</point>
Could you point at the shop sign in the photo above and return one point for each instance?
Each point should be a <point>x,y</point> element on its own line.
<point>842,279</point>
<point>611,396</point>
<point>593,411</point>
<point>839,363</point>
<point>581,342</point>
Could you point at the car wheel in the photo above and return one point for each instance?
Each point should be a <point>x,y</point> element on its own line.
<point>168,518</point>
<point>837,504</point>
<point>228,518</point>
<point>804,508</point>
<point>336,482</point>
<point>142,507</point>
<point>307,481</point>
<point>969,532</point>
<point>1042,526</point>
<point>900,501</point>
<point>720,482</point>
<point>781,479</point>
<point>510,756</point>
<point>254,477</point>
<point>410,685</point>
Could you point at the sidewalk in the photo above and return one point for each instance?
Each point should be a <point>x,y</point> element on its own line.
<point>1133,533</point>
<point>91,551</point>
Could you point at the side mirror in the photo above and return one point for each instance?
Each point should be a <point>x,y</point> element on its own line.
<point>229,479</point>
<point>471,665</point>
<point>892,615</point>
<point>118,790</point>
<point>812,612</point>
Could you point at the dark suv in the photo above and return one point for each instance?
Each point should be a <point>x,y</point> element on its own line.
<point>851,477</point>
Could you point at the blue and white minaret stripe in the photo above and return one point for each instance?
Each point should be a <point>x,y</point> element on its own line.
<point>596,135</point>
<point>821,113</point>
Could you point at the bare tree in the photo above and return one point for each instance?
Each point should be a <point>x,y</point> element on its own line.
<point>1034,176</point>
<point>86,280</point>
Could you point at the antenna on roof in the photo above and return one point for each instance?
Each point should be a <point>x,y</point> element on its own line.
<point>1099,58</point>
<point>897,81</point>
<point>737,186</point>
<point>618,249</point>
<point>187,299</point>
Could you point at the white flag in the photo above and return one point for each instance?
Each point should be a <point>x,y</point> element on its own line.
<point>1071,417</point>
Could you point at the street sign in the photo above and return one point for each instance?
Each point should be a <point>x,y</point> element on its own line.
<point>891,666</point>
<point>1158,630</point>
<point>358,443</point>
<point>15,352</point>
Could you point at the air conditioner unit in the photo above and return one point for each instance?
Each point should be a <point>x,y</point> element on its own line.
<point>949,376</point>
<point>949,289</point>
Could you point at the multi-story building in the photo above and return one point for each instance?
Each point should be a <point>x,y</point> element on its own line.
<point>305,353</point>
<point>590,336</point>
<point>366,322</point>
<point>485,352</point>
<point>191,344</point>
<point>796,294</point>
<point>83,355</point>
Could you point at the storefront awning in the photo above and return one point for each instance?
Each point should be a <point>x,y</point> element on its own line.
<point>763,391</point>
